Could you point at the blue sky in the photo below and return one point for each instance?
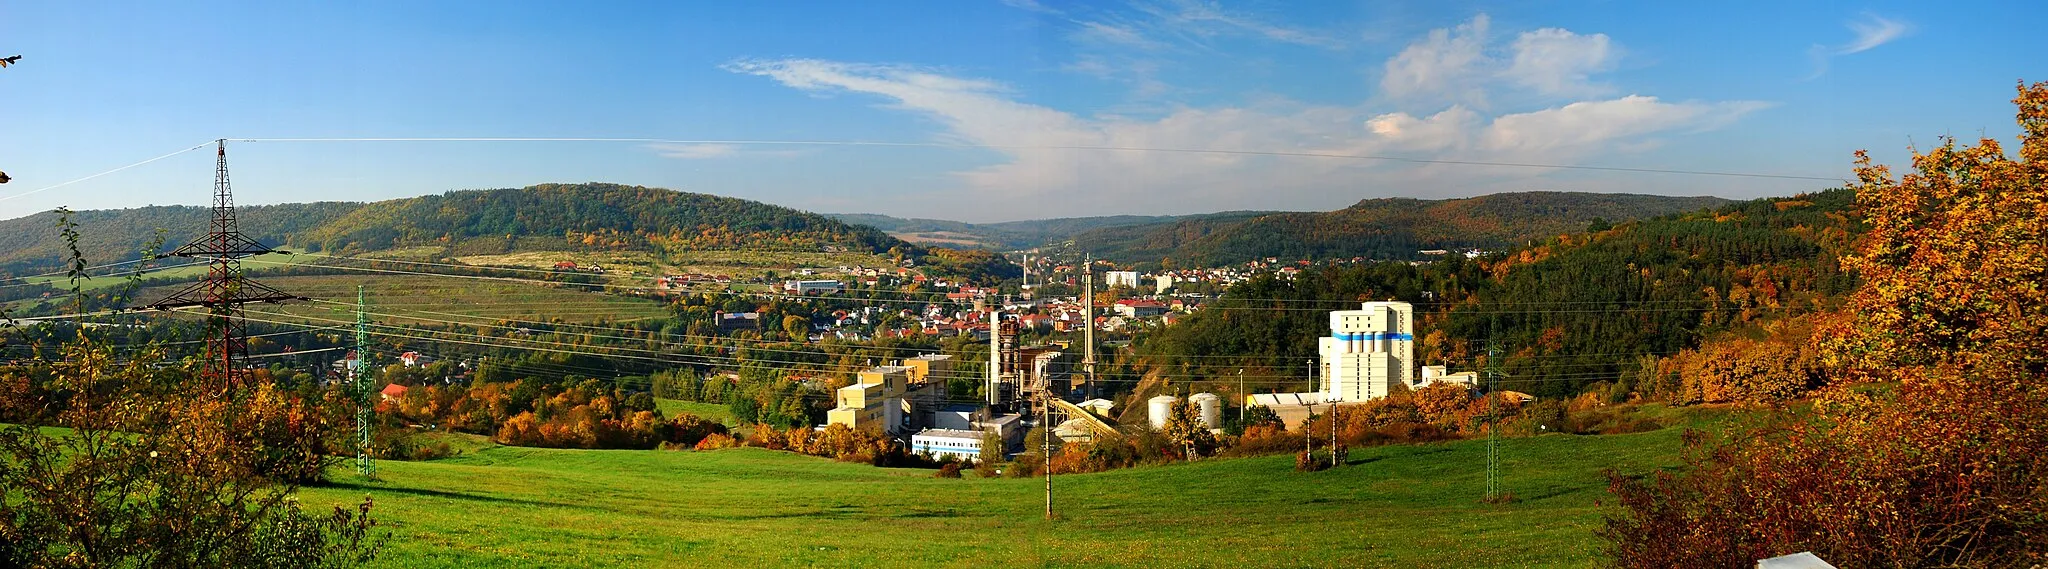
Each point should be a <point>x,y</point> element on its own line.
<point>998,91</point>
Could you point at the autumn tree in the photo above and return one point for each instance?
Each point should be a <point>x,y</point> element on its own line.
<point>1185,429</point>
<point>1745,370</point>
<point>1945,467</point>
<point>149,470</point>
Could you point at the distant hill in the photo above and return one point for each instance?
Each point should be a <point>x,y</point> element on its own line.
<point>604,216</point>
<point>1386,228</point>
<point>542,217</point>
<point>1008,234</point>
<point>32,244</point>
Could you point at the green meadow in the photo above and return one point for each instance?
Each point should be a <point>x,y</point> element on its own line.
<point>1405,506</point>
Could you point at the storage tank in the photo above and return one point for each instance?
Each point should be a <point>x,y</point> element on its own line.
<point>1210,408</point>
<point>1160,407</point>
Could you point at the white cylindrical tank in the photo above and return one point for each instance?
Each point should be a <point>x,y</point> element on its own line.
<point>1159,408</point>
<point>1210,407</point>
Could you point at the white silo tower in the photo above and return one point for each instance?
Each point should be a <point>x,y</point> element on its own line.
<point>1160,408</point>
<point>1211,408</point>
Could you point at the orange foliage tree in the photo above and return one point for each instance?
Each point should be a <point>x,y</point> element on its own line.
<point>1946,468</point>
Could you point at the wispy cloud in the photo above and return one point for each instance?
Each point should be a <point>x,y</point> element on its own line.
<point>1871,30</point>
<point>1102,33</point>
<point>1133,44</point>
<point>1032,6</point>
<point>1201,19</point>
<point>694,151</point>
<point>1051,161</point>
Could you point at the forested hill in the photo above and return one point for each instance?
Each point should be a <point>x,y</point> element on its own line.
<point>1389,228</point>
<point>591,215</point>
<point>1620,306</point>
<point>538,218</point>
<point>1013,234</point>
<point>33,243</point>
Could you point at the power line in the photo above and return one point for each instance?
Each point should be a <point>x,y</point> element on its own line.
<point>62,184</point>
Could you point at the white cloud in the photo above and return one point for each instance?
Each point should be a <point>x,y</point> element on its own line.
<point>1585,123</point>
<point>1559,62</point>
<point>1461,64</point>
<point>1444,64</point>
<point>1056,163</point>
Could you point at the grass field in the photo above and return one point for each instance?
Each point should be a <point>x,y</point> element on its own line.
<point>741,263</point>
<point>405,294</point>
<point>96,283</point>
<point>713,411</point>
<point>1405,506</point>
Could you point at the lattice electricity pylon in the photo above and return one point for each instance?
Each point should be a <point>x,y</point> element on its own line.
<point>360,384</point>
<point>224,290</point>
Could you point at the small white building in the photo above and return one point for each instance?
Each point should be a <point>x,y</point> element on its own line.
<point>812,287</point>
<point>1432,375</point>
<point>941,443</point>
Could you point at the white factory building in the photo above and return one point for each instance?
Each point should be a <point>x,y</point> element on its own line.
<point>1368,351</point>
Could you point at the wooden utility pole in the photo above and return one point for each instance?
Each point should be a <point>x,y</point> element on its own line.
<point>1333,435</point>
<point>1308,440</point>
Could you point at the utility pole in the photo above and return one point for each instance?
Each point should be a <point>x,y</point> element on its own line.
<point>1046,419</point>
<point>1308,440</point>
<point>1244,398</point>
<point>1333,435</point>
<point>1492,416</point>
<point>365,465</point>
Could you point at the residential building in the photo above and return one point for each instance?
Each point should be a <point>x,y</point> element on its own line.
<point>1139,308</point>
<point>730,321</point>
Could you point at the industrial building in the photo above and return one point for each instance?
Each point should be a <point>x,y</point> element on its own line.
<point>875,401</point>
<point>942,443</point>
<point>812,287</point>
<point>1368,351</point>
<point>1208,410</point>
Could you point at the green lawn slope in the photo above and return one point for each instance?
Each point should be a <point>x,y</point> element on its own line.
<point>1406,506</point>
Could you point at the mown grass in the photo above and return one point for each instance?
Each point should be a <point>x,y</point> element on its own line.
<point>409,295</point>
<point>713,411</point>
<point>735,262</point>
<point>1407,506</point>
